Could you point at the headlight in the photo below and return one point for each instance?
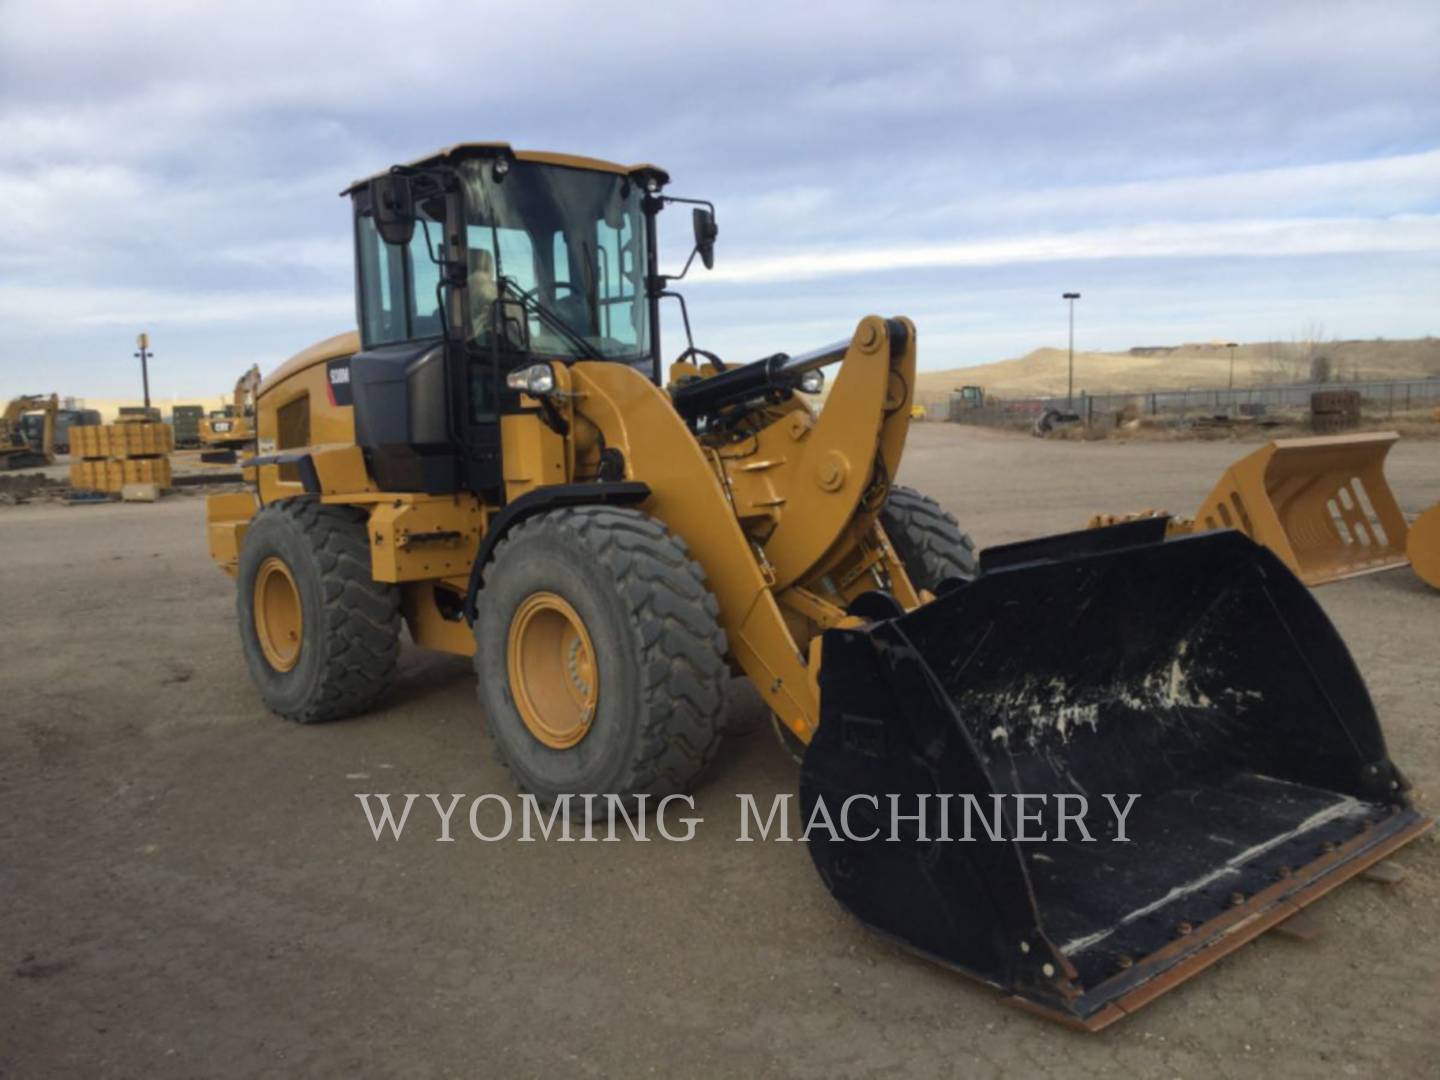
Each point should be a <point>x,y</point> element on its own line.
<point>812,382</point>
<point>537,379</point>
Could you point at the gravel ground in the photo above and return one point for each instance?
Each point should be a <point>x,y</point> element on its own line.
<point>191,889</point>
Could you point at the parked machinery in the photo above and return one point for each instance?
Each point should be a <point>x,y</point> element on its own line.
<point>226,432</point>
<point>22,449</point>
<point>185,421</point>
<point>1320,503</point>
<point>1423,546</point>
<point>498,461</point>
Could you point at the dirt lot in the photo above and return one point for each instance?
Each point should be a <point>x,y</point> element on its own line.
<point>190,886</point>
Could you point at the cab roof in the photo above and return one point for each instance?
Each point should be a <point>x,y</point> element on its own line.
<point>461,151</point>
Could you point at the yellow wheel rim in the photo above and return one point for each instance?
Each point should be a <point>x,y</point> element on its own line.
<point>278,615</point>
<point>551,664</point>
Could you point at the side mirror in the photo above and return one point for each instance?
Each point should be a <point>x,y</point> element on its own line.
<point>705,233</point>
<point>393,205</point>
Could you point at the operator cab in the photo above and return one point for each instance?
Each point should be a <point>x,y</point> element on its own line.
<point>480,261</point>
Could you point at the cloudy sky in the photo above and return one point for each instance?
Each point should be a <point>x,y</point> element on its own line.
<point>1197,171</point>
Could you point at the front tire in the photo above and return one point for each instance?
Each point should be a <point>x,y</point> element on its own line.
<point>600,656</point>
<point>321,637</point>
<point>929,541</point>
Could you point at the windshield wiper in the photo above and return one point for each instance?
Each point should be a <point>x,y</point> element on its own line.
<point>583,346</point>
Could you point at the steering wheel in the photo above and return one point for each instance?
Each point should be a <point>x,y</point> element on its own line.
<point>720,365</point>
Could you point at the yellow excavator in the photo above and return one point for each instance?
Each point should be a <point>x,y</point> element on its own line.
<point>500,462</point>
<point>226,432</point>
<point>17,450</point>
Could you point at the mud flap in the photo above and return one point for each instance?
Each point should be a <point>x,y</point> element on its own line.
<point>1195,673</point>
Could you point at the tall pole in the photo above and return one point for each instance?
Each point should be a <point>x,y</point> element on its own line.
<point>1070,382</point>
<point>1231,346</point>
<point>143,341</point>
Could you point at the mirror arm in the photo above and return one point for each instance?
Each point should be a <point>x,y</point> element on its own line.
<point>689,202</point>
<point>686,268</point>
<point>664,279</point>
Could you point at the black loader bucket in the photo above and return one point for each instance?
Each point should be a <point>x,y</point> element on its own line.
<point>1196,673</point>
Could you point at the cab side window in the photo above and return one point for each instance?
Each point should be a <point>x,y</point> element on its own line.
<point>399,299</point>
<point>381,319</point>
<point>425,306</point>
<point>621,276</point>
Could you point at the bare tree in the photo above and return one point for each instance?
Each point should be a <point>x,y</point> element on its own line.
<point>1283,361</point>
<point>1302,357</point>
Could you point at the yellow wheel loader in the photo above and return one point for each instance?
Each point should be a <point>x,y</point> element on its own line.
<point>498,463</point>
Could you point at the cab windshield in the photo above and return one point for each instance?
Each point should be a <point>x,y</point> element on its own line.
<point>557,260</point>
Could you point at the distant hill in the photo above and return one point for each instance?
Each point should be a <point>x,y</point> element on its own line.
<point>1150,367</point>
<point>1179,367</point>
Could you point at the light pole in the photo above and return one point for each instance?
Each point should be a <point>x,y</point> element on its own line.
<point>1070,383</point>
<point>1232,346</point>
<point>142,342</point>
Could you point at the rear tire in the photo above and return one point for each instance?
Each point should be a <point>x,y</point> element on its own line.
<point>931,545</point>
<point>338,655</point>
<point>645,656</point>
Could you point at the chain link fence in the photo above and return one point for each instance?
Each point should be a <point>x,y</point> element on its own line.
<point>1379,398</point>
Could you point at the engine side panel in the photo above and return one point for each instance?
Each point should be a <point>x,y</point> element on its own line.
<point>321,389</point>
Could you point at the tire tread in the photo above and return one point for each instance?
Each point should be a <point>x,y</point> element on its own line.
<point>927,538</point>
<point>681,644</point>
<point>361,616</point>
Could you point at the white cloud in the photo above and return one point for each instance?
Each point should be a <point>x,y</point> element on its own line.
<point>305,253</point>
<point>1380,184</point>
<point>1299,236</point>
<point>165,160</point>
<point>55,310</point>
